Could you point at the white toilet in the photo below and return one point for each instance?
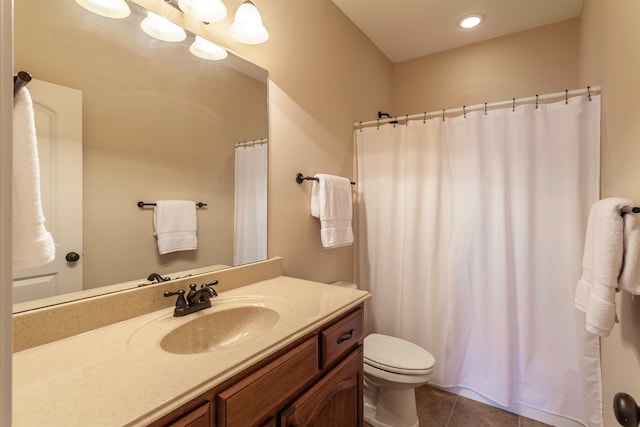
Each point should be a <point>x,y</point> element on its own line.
<point>393,368</point>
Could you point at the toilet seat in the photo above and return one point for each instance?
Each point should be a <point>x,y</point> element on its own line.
<point>397,355</point>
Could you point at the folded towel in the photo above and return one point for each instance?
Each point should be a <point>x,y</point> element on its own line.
<point>601,265</point>
<point>176,225</point>
<point>629,279</point>
<point>331,202</point>
<point>32,243</point>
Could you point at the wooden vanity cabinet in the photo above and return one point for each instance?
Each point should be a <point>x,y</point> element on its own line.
<point>199,417</point>
<point>197,413</point>
<point>316,381</point>
<point>335,400</point>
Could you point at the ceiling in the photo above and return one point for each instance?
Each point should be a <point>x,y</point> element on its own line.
<point>407,29</point>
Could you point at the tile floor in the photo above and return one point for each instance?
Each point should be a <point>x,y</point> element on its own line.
<point>439,408</point>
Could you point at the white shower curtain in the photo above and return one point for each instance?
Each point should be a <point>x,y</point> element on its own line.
<point>471,234</point>
<point>250,206</point>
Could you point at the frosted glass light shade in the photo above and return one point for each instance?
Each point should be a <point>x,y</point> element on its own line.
<point>204,49</point>
<point>109,8</point>
<point>162,29</point>
<point>247,26</point>
<point>204,10</point>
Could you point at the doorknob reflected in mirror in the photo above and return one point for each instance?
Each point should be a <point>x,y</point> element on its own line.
<point>72,257</point>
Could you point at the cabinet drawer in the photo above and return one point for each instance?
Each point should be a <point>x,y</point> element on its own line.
<point>199,417</point>
<point>252,400</point>
<point>340,338</point>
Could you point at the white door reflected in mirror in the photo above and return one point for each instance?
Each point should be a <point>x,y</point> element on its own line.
<point>58,120</point>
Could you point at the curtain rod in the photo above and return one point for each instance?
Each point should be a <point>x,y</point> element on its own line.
<point>590,90</point>
<point>253,142</point>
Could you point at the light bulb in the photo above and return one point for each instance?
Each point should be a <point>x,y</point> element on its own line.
<point>108,8</point>
<point>471,21</point>
<point>247,26</point>
<point>162,29</point>
<point>204,10</point>
<point>204,49</point>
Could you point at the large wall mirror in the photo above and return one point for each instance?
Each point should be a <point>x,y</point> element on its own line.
<point>157,123</point>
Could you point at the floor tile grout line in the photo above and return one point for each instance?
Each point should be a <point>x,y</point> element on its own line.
<point>453,408</point>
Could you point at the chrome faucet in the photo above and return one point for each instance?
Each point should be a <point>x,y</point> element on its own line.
<point>196,299</point>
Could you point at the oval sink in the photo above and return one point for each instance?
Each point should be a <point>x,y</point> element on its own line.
<point>220,329</point>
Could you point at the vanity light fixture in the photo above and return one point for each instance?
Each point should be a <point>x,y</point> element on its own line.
<point>116,9</point>
<point>162,29</point>
<point>471,21</point>
<point>204,10</point>
<point>247,26</point>
<point>203,48</point>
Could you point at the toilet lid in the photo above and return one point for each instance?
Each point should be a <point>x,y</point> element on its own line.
<point>397,355</point>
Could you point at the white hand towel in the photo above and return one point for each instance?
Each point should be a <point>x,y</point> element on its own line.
<point>32,243</point>
<point>176,225</point>
<point>630,275</point>
<point>331,202</point>
<point>601,264</point>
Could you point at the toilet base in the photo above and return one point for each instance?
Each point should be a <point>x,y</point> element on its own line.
<point>384,407</point>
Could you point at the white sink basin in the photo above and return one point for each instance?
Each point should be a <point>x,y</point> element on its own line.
<point>231,321</point>
<point>219,329</point>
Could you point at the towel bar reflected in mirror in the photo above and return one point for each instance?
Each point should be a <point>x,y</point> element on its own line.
<point>300,178</point>
<point>143,204</point>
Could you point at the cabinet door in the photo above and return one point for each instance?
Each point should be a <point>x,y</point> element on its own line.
<point>335,400</point>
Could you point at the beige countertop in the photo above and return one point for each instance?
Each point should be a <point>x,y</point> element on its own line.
<point>119,375</point>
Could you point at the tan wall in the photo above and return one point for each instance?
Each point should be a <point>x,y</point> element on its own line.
<point>609,54</point>
<point>538,61</point>
<point>158,123</point>
<point>325,75</point>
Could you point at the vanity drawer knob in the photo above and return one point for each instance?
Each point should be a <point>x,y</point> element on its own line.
<point>346,336</point>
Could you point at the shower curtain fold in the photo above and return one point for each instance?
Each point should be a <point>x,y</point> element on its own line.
<point>250,204</point>
<point>471,233</point>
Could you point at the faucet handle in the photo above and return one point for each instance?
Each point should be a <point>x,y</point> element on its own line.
<point>208,288</point>
<point>181,302</point>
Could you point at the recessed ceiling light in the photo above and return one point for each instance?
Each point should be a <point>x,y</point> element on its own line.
<point>471,21</point>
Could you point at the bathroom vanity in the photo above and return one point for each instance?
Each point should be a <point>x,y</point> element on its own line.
<point>314,381</point>
<point>277,352</point>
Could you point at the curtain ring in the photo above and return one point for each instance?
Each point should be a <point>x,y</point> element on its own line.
<point>406,120</point>
<point>514,105</point>
<point>566,96</point>
<point>360,125</point>
<point>485,108</point>
<point>443,114</point>
<point>589,92</point>
<point>424,120</point>
<point>464,111</point>
<point>395,121</point>
<point>536,101</point>
<point>378,125</point>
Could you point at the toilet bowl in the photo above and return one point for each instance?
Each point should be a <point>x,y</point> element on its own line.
<point>393,368</point>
